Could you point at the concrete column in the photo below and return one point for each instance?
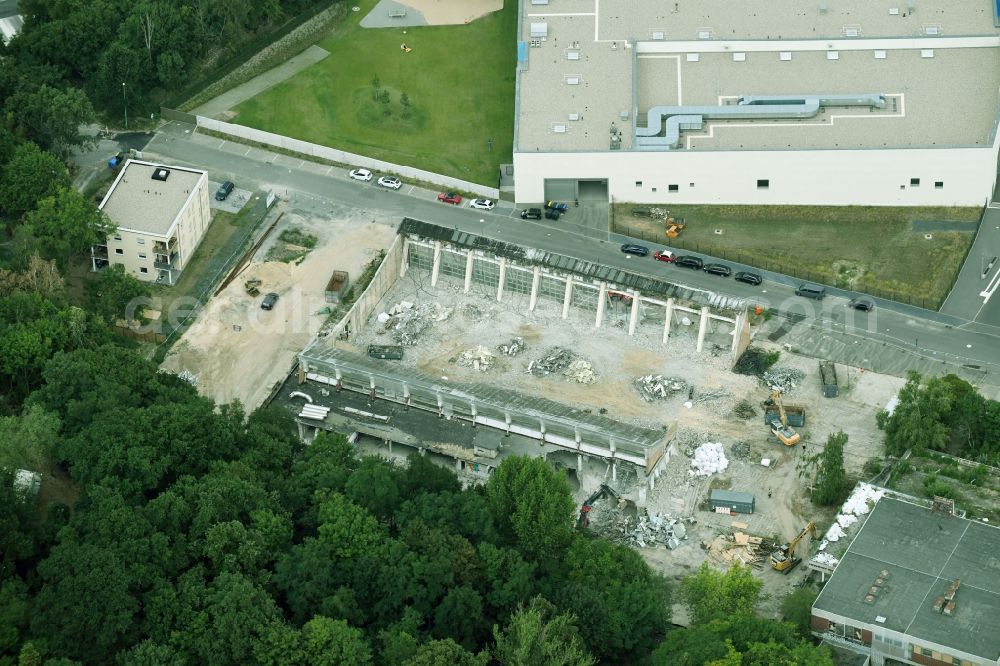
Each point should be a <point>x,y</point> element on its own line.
<point>633,319</point>
<point>302,432</point>
<point>458,465</point>
<point>579,465</point>
<point>541,428</point>
<point>406,397</point>
<point>737,327</point>
<point>404,263</point>
<point>702,328</point>
<point>388,443</point>
<point>506,418</point>
<point>669,317</point>
<point>568,297</point>
<point>602,296</point>
<point>468,270</point>
<point>614,470</point>
<point>536,278</point>
<point>440,403</point>
<point>503,276</point>
<point>436,267</point>
<point>475,414</point>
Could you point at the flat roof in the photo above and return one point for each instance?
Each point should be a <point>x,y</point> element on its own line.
<point>139,202</point>
<point>941,62</point>
<point>916,554</point>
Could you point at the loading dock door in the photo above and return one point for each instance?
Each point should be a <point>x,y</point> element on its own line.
<point>560,189</point>
<point>593,190</point>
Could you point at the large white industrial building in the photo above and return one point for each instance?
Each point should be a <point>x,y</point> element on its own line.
<point>825,102</point>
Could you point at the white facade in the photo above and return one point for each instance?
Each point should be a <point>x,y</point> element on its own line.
<point>944,177</point>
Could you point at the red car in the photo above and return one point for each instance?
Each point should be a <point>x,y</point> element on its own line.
<point>450,197</point>
<point>664,255</point>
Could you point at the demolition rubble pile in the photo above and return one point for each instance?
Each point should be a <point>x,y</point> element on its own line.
<point>639,531</point>
<point>744,410</point>
<point>862,499</point>
<point>406,322</point>
<point>740,450</point>
<point>708,459</point>
<point>188,376</point>
<point>561,361</point>
<point>738,547</point>
<point>784,379</point>
<point>710,395</point>
<point>658,387</point>
<point>478,358</point>
<point>512,348</point>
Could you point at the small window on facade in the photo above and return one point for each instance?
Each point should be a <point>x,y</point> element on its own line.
<point>117,237</point>
<point>638,183</point>
<point>118,250</point>
<point>140,241</point>
<point>142,255</point>
<point>690,184</point>
<point>938,184</point>
<point>914,182</point>
<point>143,269</point>
<point>672,188</point>
<point>654,189</point>
<point>763,183</point>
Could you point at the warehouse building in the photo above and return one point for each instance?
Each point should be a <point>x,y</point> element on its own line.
<point>916,586</point>
<point>846,103</point>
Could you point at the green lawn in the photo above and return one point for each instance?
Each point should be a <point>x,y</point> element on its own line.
<point>459,80</point>
<point>870,249</point>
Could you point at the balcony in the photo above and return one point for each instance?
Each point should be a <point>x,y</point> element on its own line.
<point>166,261</point>
<point>165,248</point>
<point>99,251</point>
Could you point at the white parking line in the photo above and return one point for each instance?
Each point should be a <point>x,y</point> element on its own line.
<point>221,144</point>
<point>991,288</point>
<point>248,151</point>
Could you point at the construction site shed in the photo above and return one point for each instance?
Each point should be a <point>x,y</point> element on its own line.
<point>722,501</point>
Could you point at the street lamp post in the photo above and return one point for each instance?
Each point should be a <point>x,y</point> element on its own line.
<point>125,105</point>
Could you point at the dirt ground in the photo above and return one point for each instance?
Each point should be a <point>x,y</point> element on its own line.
<point>450,12</point>
<point>238,351</point>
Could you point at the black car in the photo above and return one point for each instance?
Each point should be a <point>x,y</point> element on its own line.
<point>687,261</point>
<point>637,250</point>
<point>531,214</point>
<point>224,190</point>
<point>718,269</point>
<point>269,301</point>
<point>557,205</point>
<point>749,278</point>
<point>552,214</point>
<point>862,303</point>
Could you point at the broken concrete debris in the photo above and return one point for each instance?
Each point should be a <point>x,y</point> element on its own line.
<point>189,377</point>
<point>707,396</point>
<point>612,518</point>
<point>562,361</point>
<point>744,410</point>
<point>658,387</point>
<point>478,358</point>
<point>740,450</point>
<point>708,459</point>
<point>784,379</point>
<point>738,547</point>
<point>407,322</point>
<point>512,348</point>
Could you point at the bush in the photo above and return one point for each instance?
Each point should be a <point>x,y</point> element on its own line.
<point>872,467</point>
<point>935,488</point>
<point>754,361</point>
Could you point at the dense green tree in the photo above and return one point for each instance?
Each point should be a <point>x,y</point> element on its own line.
<point>532,504</point>
<point>373,486</point>
<point>334,643</point>
<point>31,175</point>
<point>447,651</point>
<point>459,616</point>
<point>796,608</point>
<point>28,441</point>
<point>114,295</point>
<point>51,117</point>
<point>14,615</point>
<point>831,485</point>
<point>65,225</point>
<point>539,636</point>
<point>918,421</point>
<point>710,595</point>
<point>423,476</point>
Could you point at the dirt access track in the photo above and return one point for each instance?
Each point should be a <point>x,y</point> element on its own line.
<point>238,351</point>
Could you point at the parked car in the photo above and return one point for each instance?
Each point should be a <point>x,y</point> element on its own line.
<point>391,182</point>
<point>224,190</point>
<point>810,290</point>
<point>637,250</point>
<point>557,205</point>
<point>749,278</point>
<point>664,255</point>
<point>531,214</point>
<point>687,261</point>
<point>718,269</point>
<point>269,301</point>
<point>482,204</point>
<point>450,197</point>
<point>552,215</point>
<point>862,303</point>
<point>361,174</point>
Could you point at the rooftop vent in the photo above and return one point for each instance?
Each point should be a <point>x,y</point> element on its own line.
<point>659,35</point>
<point>160,173</point>
<point>880,55</point>
<point>572,55</point>
<point>880,619</point>
<point>926,53</point>
<point>572,80</point>
<point>704,34</point>
<point>539,29</point>
<point>559,129</point>
<point>851,31</point>
<point>692,57</point>
<point>785,55</point>
<point>574,116</point>
<point>893,11</point>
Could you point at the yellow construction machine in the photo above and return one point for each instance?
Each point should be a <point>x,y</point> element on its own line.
<point>784,559</point>
<point>674,227</point>
<point>779,425</point>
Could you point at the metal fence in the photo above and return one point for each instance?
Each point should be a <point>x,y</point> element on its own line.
<point>869,287</point>
<point>216,269</point>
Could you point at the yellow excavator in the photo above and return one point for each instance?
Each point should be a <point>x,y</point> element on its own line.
<point>779,426</point>
<point>784,559</point>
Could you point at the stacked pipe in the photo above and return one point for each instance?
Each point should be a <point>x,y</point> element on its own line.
<point>315,412</point>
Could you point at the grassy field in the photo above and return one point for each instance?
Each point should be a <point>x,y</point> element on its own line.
<point>453,110</point>
<point>874,250</point>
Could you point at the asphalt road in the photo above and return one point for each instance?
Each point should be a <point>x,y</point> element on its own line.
<point>981,273</point>
<point>900,329</point>
<point>8,8</point>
